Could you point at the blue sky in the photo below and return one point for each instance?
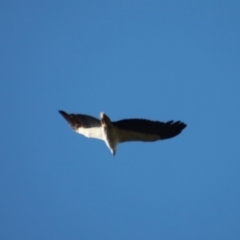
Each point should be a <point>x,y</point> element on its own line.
<point>159,60</point>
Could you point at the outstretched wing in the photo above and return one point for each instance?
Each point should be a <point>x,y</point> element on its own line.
<point>146,130</point>
<point>84,124</point>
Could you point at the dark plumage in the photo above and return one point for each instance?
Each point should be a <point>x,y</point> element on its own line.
<point>164,130</point>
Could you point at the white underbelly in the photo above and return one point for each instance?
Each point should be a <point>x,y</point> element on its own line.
<point>94,132</point>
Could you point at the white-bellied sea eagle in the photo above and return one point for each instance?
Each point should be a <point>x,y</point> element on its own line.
<point>113,133</point>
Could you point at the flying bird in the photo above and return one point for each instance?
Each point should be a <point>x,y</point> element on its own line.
<point>113,133</point>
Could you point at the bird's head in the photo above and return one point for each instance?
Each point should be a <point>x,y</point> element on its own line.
<point>113,151</point>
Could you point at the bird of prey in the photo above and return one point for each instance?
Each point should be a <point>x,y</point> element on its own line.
<point>113,133</point>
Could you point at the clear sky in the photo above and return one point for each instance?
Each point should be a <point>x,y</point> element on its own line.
<point>160,60</point>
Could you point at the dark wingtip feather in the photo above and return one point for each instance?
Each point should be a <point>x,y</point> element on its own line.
<point>70,118</point>
<point>65,115</point>
<point>172,129</point>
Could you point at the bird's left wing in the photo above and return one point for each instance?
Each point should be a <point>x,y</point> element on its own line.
<point>84,124</point>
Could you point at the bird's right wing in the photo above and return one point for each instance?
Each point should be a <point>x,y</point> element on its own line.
<point>146,130</point>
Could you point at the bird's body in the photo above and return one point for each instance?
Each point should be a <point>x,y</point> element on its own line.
<point>113,133</point>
